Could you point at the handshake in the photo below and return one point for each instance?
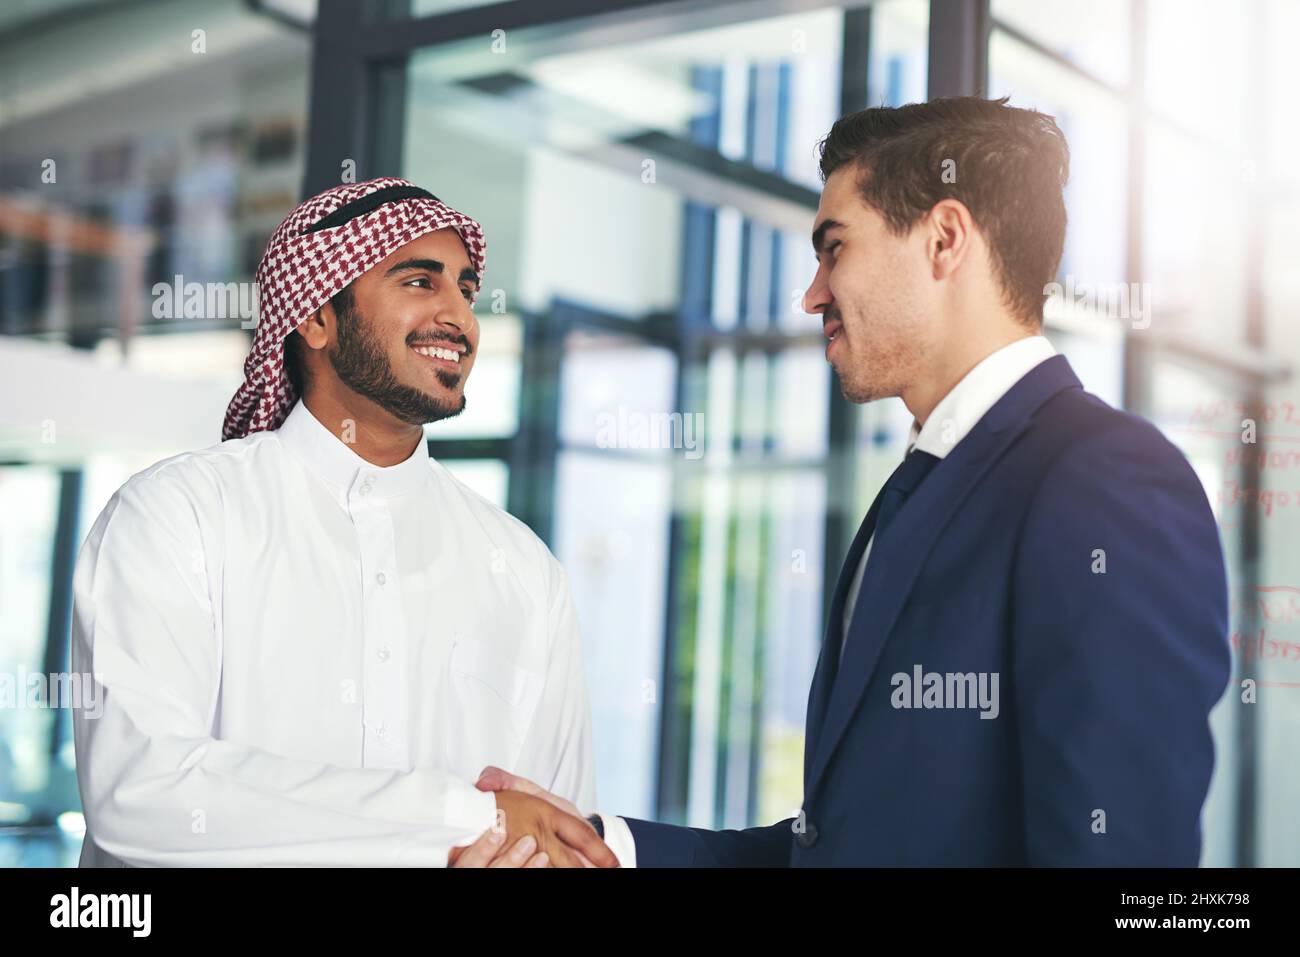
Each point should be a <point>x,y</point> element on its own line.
<point>534,828</point>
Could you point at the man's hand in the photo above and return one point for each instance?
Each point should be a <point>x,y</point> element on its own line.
<point>489,851</point>
<point>566,839</point>
<point>494,779</point>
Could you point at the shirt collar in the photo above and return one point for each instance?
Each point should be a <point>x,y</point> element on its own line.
<point>347,473</point>
<point>976,393</point>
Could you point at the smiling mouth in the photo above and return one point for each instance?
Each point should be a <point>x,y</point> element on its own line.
<point>440,356</point>
<point>832,329</point>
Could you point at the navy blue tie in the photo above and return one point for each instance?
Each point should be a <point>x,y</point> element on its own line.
<point>915,467</point>
<point>901,485</point>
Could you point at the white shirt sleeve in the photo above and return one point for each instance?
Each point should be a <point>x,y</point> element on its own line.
<point>619,838</point>
<point>157,787</point>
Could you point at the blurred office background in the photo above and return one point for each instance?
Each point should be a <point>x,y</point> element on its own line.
<point>646,173</point>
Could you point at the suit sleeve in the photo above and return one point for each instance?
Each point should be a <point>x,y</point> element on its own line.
<point>1119,653</point>
<point>668,845</point>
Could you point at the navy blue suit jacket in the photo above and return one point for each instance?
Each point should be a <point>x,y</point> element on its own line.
<point>1068,548</point>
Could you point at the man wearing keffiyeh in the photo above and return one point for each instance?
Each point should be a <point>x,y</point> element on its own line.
<point>312,635</point>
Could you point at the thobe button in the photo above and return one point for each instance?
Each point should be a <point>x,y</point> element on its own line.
<point>382,733</point>
<point>808,836</point>
<point>381,578</point>
<point>383,654</point>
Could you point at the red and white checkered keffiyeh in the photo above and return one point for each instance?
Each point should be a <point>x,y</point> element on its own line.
<point>300,271</point>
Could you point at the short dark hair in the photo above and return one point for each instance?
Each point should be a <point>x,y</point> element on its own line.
<point>1009,167</point>
<point>295,363</point>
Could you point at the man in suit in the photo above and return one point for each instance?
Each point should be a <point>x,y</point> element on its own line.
<point>1030,629</point>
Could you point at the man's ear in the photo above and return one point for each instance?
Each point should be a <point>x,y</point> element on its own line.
<point>315,329</point>
<point>950,235</point>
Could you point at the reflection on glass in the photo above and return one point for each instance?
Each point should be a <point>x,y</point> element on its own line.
<point>1199,413</point>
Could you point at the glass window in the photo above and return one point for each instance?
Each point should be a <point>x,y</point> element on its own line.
<point>1094,123</point>
<point>612,521</point>
<point>617,393</point>
<point>1093,35</point>
<point>899,54</point>
<point>488,477</point>
<point>1200,411</point>
<point>377,10</point>
<point>1199,68</point>
<point>29,499</point>
<point>1277,201</point>
<point>1194,250</point>
<point>793,529</point>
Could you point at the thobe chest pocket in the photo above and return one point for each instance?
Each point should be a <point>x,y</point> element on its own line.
<point>491,706</point>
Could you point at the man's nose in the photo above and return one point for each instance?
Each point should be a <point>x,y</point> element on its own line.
<point>818,297</point>
<point>458,316</point>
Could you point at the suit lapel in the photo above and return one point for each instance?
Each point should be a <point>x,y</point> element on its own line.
<point>907,542</point>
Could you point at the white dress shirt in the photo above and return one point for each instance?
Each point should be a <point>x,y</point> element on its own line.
<point>953,418</point>
<point>307,659</point>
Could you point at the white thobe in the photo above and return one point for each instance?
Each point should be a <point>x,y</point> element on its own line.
<point>306,659</point>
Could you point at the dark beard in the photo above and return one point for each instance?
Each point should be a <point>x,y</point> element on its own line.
<point>361,364</point>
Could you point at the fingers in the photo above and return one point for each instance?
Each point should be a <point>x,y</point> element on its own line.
<point>581,837</point>
<point>481,852</point>
<point>493,779</point>
<point>520,853</point>
<point>559,833</point>
<point>486,852</point>
<point>564,857</point>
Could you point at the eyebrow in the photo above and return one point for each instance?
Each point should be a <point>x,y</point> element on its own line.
<point>819,234</point>
<point>432,265</point>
